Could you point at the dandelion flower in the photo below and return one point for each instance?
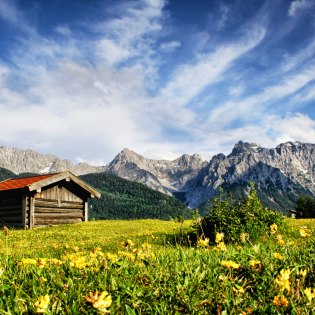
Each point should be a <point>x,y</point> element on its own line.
<point>219,237</point>
<point>221,246</point>
<point>305,232</point>
<point>283,280</point>
<point>302,273</point>
<point>309,294</point>
<point>113,258</point>
<point>280,240</point>
<point>255,264</point>
<point>100,301</point>
<point>273,228</point>
<point>280,300</point>
<point>203,242</point>
<point>230,264</point>
<point>238,289</point>
<point>42,304</point>
<point>277,256</point>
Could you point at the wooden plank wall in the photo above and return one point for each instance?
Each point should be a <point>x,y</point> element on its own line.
<point>57,205</point>
<point>11,213</point>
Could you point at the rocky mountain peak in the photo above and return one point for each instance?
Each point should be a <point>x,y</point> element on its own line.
<point>29,161</point>
<point>244,148</point>
<point>187,160</point>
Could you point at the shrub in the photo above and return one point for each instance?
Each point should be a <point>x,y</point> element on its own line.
<point>236,216</point>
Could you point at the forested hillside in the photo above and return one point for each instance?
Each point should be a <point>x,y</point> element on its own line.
<point>124,199</point>
<point>5,174</point>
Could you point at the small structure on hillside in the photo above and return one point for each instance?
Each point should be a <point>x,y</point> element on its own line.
<point>49,199</point>
<point>295,214</point>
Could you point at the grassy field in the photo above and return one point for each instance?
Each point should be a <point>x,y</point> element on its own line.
<point>140,267</point>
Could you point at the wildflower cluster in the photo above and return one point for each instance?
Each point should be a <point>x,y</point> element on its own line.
<point>305,231</point>
<point>100,301</point>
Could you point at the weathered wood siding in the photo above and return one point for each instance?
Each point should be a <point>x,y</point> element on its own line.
<point>57,205</point>
<point>11,211</point>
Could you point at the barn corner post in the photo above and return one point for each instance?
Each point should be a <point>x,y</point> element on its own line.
<point>86,211</point>
<point>24,212</point>
<point>32,211</point>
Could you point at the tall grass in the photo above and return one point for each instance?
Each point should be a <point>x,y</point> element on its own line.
<point>129,267</point>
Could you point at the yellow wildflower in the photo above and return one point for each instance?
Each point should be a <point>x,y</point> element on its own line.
<point>280,300</point>
<point>221,246</point>
<point>309,294</point>
<point>42,304</point>
<point>146,246</point>
<point>277,256</point>
<point>100,301</point>
<point>283,280</point>
<point>302,273</point>
<point>42,279</point>
<point>238,289</point>
<point>255,264</point>
<point>273,228</point>
<point>280,240</point>
<point>130,256</point>
<point>230,264</point>
<point>219,237</point>
<point>244,237</point>
<point>128,243</point>
<point>203,242</point>
<point>27,261</point>
<point>305,232</point>
<point>113,258</point>
<point>1,271</point>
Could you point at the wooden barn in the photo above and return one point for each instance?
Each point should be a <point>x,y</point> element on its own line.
<point>49,199</point>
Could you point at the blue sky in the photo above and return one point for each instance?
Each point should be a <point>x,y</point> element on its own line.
<point>85,79</point>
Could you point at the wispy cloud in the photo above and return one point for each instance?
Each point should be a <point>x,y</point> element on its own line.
<point>298,6</point>
<point>126,80</point>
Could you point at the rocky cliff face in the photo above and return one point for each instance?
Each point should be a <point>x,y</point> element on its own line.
<point>287,169</point>
<point>21,161</point>
<point>162,175</point>
<point>281,172</point>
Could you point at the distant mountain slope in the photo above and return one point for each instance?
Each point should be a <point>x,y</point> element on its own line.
<point>281,173</point>
<point>124,199</point>
<point>29,161</point>
<point>162,175</point>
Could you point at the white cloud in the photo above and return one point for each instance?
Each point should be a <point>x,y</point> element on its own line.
<point>304,55</point>
<point>224,10</point>
<point>64,30</point>
<point>299,6</point>
<point>90,98</point>
<point>294,127</point>
<point>170,46</point>
<point>190,79</point>
<point>8,12</point>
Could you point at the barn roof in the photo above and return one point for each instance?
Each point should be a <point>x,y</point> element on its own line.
<point>37,182</point>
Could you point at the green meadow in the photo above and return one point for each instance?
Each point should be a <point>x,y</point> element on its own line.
<point>150,267</point>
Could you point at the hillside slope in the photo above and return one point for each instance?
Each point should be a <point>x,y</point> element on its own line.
<point>124,199</point>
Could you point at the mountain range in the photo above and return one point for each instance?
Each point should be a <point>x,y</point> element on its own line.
<point>281,174</point>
